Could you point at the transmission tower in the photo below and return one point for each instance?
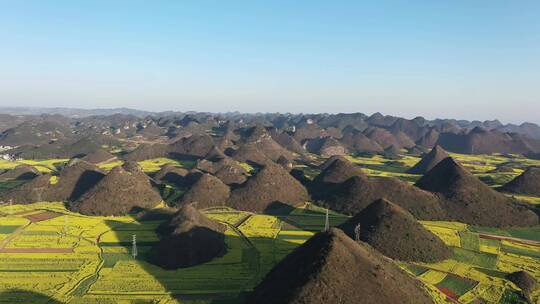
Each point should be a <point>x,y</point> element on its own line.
<point>357,232</point>
<point>134,246</point>
<point>327,221</point>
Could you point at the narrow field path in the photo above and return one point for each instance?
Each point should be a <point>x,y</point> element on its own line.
<point>86,283</point>
<point>242,220</point>
<point>508,238</point>
<point>249,243</point>
<point>36,250</point>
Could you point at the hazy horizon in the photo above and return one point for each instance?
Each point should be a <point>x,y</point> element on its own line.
<point>241,112</point>
<point>463,60</point>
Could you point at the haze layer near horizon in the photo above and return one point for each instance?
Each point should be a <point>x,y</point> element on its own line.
<point>459,59</point>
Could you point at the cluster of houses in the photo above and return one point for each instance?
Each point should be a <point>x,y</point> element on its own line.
<point>7,156</point>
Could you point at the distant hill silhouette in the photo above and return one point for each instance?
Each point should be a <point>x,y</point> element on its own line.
<point>337,170</point>
<point>392,152</point>
<point>208,191</point>
<point>429,139</point>
<point>172,174</point>
<point>64,147</point>
<point>99,156</point>
<point>250,154</point>
<point>482,141</point>
<point>343,187</point>
<point>192,134</point>
<point>326,146</point>
<point>232,174</point>
<point>147,151</point>
<point>355,140</point>
<point>271,184</point>
<point>428,161</point>
<point>527,183</point>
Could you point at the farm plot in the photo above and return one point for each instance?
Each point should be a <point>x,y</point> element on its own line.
<point>44,166</point>
<point>450,236</point>
<point>253,251</point>
<point>8,229</point>
<point>42,216</point>
<point>10,184</point>
<point>288,240</point>
<point>455,286</point>
<point>149,165</point>
<point>481,260</point>
<point>153,165</point>
<point>483,166</point>
<point>171,193</point>
<point>312,218</point>
<point>100,267</point>
<point>226,215</point>
<point>231,273</point>
<point>527,199</point>
<point>48,273</point>
<point>260,226</point>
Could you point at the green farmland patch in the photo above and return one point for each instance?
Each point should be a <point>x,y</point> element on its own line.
<point>6,185</point>
<point>469,240</point>
<point>480,259</point>
<point>530,233</point>
<point>110,259</point>
<point>527,233</point>
<point>520,251</point>
<point>457,285</point>
<point>416,269</point>
<point>8,229</point>
<point>492,273</point>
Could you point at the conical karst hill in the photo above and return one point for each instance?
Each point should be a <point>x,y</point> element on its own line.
<point>188,239</point>
<point>467,199</point>
<point>430,160</point>
<point>332,268</point>
<point>123,190</point>
<point>270,185</point>
<point>395,233</point>
<point>528,183</point>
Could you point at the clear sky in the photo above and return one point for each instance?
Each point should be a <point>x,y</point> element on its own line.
<point>451,59</point>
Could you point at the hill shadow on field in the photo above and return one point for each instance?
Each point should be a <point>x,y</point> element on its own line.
<point>309,219</point>
<point>223,280</point>
<point>25,296</point>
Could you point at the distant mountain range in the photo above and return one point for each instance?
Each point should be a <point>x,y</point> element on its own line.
<point>71,112</point>
<point>78,112</point>
<point>64,132</point>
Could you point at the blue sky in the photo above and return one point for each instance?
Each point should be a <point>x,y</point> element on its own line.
<point>460,59</point>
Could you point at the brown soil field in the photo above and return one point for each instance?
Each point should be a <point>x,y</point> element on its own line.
<point>39,217</point>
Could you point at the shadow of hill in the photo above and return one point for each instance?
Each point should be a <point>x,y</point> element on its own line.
<point>24,296</point>
<point>223,280</point>
<point>309,219</point>
<point>6,185</point>
<point>86,181</point>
